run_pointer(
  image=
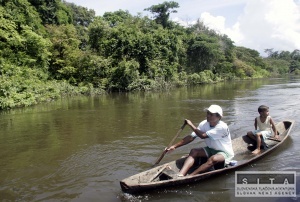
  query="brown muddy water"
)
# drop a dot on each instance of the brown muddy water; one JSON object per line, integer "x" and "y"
{"x": 78, "y": 149}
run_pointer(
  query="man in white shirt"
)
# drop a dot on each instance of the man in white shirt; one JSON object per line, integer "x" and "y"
{"x": 217, "y": 138}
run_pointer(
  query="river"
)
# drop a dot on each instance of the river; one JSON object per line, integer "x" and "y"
{"x": 78, "y": 149}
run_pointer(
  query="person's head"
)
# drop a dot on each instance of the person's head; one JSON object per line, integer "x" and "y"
{"x": 213, "y": 114}
{"x": 263, "y": 110}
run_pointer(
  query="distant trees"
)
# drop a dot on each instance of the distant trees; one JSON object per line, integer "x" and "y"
{"x": 284, "y": 59}
{"x": 248, "y": 64}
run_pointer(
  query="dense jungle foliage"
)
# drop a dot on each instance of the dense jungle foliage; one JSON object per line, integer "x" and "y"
{"x": 53, "y": 48}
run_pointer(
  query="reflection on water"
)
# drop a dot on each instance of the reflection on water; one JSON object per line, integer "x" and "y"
{"x": 80, "y": 148}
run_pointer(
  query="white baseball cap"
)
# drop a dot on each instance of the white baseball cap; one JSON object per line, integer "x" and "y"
{"x": 215, "y": 109}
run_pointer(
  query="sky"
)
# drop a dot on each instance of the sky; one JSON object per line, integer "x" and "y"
{"x": 255, "y": 24}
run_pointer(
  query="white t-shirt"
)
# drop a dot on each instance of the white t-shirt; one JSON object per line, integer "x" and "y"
{"x": 219, "y": 137}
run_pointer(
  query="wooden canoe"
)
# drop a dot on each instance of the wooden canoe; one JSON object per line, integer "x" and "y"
{"x": 166, "y": 175}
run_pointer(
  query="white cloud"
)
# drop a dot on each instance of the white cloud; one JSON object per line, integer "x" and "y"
{"x": 273, "y": 25}
{"x": 217, "y": 23}
{"x": 235, "y": 34}
{"x": 263, "y": 24}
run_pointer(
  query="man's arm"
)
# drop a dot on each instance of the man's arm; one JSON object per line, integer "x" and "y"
{"x": 187, "y": 139}
{"x": 198, "y": 132}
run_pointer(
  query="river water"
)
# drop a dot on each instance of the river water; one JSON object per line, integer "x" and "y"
{"x": 78, "y": 149}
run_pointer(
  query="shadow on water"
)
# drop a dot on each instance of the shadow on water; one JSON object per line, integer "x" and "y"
{"x": 78, "y": 149}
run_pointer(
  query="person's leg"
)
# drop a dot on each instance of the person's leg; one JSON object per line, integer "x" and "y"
{"x": 251, "y": 135}
{"x": 258, "y": 141}
{"x": 217, "y": 158}
{"x": 197, "y": 152}
{"x": 264, "y": 136}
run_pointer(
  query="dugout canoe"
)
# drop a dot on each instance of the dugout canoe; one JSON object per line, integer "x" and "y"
{"x": 165, "y": 175}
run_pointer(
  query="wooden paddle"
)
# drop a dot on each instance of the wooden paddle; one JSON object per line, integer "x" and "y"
{"x": 170, "y": 144}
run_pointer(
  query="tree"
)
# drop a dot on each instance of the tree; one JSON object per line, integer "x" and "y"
{"x": 19, "y": 43}
{"x": 116, "y": 17}
{"x": 21, "y": 12}
{"x": 269, "y": 51}
{"x": 82, "y": 18}
{"x": 162, "y": 12}
{"x": 294, "y": 65}
{"x": 81, "y": 15}
{"x": 285, "y": 55}
{"x": 295, "y": 55}
{"x": 52, "y": 11}
{"x": 203, "y": 52}
{"x": 98, "y": 31}
{"x": 65, "y": 51}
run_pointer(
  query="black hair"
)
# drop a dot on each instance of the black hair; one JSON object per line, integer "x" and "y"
{"x": 262, "y": 108}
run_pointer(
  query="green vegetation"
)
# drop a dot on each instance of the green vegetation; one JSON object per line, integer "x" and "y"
{"x": 281, "y": 62}
{"x": 50, "y": 49}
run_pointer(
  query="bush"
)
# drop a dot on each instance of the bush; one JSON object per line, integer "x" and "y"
{"x": 22, "y": 86}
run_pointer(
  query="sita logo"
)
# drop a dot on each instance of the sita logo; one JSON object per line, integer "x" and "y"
{"x": 265, "y": 184}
